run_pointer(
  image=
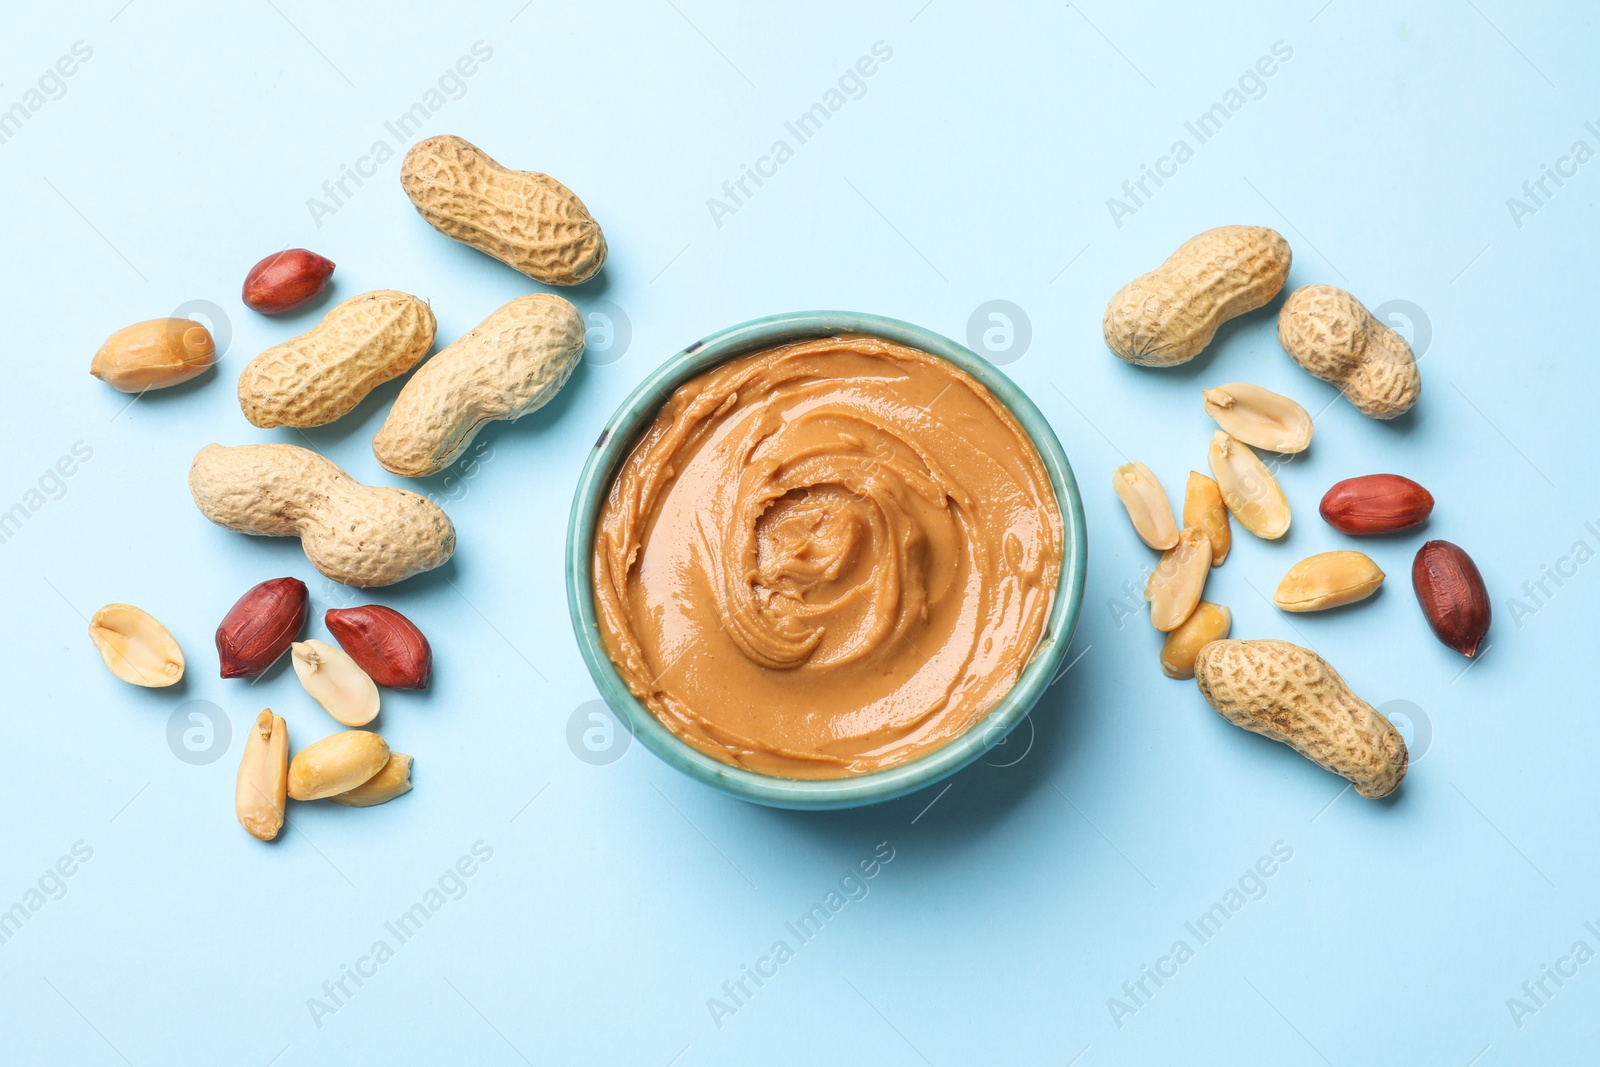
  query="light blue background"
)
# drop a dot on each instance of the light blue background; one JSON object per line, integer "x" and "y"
{"x": 619, "y": 898}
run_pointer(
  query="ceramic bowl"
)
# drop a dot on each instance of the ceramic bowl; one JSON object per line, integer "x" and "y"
{"x": 637, "y": 412}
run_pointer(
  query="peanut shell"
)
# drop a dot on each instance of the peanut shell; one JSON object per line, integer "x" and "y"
{"x": 1291, "y": 694}
{"x": 315, "y": 378}
{"x": 1331, "y": 334}
{"x": 526, "y": 220}
{"x": 508, "y": 365}
{"x": 360, "y": 535}
{"x": 1166, "y": 317}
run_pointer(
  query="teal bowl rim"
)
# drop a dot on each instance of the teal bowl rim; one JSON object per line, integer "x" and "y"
{"x": 617, "y": 439}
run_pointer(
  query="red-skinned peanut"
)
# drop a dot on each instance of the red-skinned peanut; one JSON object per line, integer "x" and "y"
{"x": 386, "y": 644}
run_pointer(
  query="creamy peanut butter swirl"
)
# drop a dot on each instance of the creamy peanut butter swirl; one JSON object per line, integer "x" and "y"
{"x": 826, "y": 558}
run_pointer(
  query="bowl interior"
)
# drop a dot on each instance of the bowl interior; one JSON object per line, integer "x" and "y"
{"x": 639, "y": 410}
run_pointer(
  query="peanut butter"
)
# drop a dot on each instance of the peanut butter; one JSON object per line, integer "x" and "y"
{"x": 827, "y": 558}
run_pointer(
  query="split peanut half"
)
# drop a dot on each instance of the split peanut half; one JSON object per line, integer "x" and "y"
{"x": 1203, "y": 509}
{"x": 1259, "y": 417}
{"x": 1175, "y": 585}
{"x": 154, "y": 355}
{"x": 336, "y": 764}
{"x": 1328, "y": 580}
{"x": 136, "y": 647}
{"x": 335, "y": 681}
{"x": 393, "y": 781}
{"x": 1209, "y": 622}
{"x": 263, "y": 782}
{"x": 1148, "y": 508}
{"x": 1248, "y": 488}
